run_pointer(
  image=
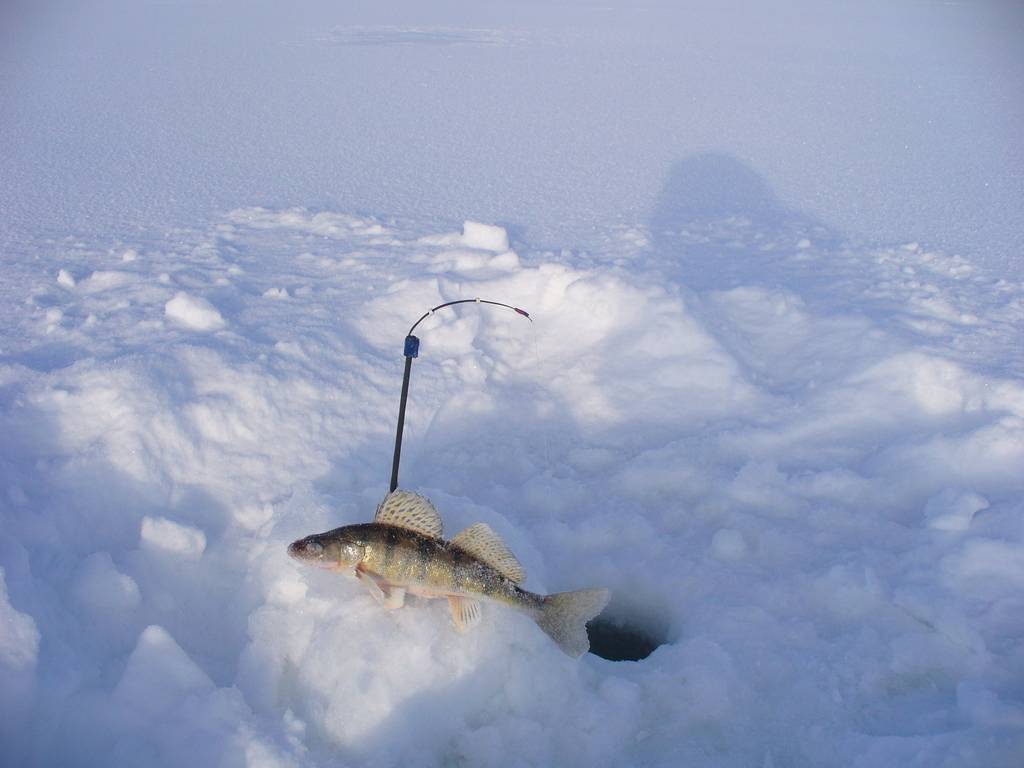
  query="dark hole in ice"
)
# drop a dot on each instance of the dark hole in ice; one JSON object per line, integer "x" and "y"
{"x": 619, "y": 639}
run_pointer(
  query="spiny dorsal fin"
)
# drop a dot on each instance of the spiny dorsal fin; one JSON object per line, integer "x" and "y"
{"x": 483, "y": 544}
{"x": 406, "y": 509}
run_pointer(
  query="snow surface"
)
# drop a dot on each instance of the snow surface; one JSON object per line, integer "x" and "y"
{"x": 795, "y": 454}
{"x": 194, "y": 313}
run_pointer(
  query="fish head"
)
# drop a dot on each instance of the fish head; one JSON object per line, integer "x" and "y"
{"x": 335, "y": 550}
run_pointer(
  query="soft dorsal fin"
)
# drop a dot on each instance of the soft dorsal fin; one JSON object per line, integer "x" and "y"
{"x": 483, "y": 544}
{"x": 406, "y": 509}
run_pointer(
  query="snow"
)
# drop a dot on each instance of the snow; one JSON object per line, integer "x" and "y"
{"x": 100, "y": 586}
{"x": 729, "y": 544}
{"x": 158, "y": 664}
{"x": 193, "y": 312}
{"x": 163, "y": 534}
{"x": 771, "y": 393}
{"x": 19, "y": 655}
{"x": 19, "y": 643}
{"x": 953, "y": 510}
{"x": 484, "y": 236}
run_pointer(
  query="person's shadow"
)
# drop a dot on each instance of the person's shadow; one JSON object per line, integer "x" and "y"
{"x": 717, "y": 223}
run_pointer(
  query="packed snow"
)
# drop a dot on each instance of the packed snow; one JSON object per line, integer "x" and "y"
{"x": 794, "y": 453}
{"x": 194, "y": 313}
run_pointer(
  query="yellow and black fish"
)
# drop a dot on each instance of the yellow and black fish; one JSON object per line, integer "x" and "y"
{"x": 402, "y": 551}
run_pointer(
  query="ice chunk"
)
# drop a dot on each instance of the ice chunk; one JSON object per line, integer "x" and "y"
{"x": 193, "y": 312}
{"x": 19, "y": 638}
{"x": 159, "y": 533}
{"x": 486, "y": 237}
{"x": 65, "y": 279}
{"x": 159, "y": 673}
{"x": 107, "y": 280}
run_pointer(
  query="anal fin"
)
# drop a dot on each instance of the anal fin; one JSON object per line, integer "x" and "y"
{"x": 466, "y": 612}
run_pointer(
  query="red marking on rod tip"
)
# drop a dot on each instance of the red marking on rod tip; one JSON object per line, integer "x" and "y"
{"x": 522, "y": 312}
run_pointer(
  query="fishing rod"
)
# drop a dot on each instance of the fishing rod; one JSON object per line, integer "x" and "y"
{"x": 412, "y": 349}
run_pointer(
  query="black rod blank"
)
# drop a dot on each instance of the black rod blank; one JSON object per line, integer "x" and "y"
{"x": 412, "y": 349}
{"x": 401, "y": 420}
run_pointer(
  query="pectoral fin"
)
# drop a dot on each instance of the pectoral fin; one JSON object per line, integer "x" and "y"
{"x": 371, "y": 586}
{"x": 389, "y": 596}
{"x": 466, "y": 612}
{"x": 394, "y": 597}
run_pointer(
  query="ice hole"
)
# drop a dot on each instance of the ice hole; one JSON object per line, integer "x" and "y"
{"x": 627, "y": 633}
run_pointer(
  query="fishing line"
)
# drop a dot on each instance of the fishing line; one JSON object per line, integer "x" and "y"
{"x": 412, "y": 350}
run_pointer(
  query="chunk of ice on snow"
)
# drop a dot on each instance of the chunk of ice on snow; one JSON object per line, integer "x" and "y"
{"x": 159, "y": 533}
{"x": 193, "y": 312}
{"x": 159, "y": 673}
{"x": 486, "y": 237}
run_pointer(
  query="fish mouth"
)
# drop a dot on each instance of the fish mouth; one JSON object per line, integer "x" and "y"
{"x": 307, "y": 549}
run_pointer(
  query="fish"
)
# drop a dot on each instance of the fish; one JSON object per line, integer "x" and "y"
{"x": 402, "y": 552}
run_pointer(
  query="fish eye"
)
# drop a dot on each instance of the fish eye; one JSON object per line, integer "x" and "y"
{"x": 315, "y": 547}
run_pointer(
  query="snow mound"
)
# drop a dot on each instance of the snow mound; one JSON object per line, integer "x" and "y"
{"x": 193, "y": 312}
{"x": 159, "y": 674}
{"x": 475, "y": 235}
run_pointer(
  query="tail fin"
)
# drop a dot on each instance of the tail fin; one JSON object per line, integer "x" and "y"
{"x": 564, "y": 617}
